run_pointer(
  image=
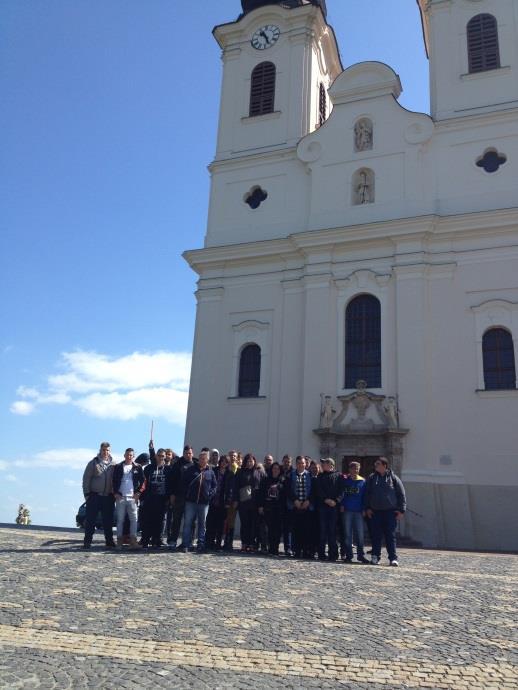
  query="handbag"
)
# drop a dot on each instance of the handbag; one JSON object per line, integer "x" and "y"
{"x": 245, "y": 493}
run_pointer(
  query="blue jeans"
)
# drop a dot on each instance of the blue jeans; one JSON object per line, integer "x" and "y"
{"x": 327, "y": 515}
{"x": 198, "y": 512}
{"x": 384, "y": 523}
{"x": 352, "y": 525}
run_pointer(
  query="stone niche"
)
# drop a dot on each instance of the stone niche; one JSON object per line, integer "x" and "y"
{"x": 366, "y": 426}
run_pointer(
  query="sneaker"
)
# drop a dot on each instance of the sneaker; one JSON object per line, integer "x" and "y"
{"x": 288, "y": 553}
{"x": 172, "y": 546}
{"x": 394, "y": 564}
{"x": 87, "y": 545}
{"x": 347, "y": 560}
{"x": 110, "y": 545}
{"x": 362, "y": 559}
{"x": 375, "y": 560}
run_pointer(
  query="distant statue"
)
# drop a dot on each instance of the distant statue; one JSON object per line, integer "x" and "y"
{"x": 391, "y": 411}
{"x": 24, "y": 515}
{"x": 364, "y": 189}
{"x": 326, "y": 413}
{"x": 363, "y": 135}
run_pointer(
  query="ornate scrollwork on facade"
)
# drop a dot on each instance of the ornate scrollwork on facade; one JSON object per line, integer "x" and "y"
{"x": 366, "y": 425}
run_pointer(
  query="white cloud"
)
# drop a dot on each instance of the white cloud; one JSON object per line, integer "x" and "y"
{"x": 167, "y": 403}
{"x": 140, "y": 384}
{"x": 11, "y": 478}
{"x": 71, "y": 482}
{"x": 22, "y": 407}
{"x": 4, "y": 465}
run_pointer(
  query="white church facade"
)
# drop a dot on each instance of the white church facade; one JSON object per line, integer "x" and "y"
{"x": 358, "y": 286}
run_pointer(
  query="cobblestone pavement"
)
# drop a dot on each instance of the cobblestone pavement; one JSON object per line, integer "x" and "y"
{"x": 98, "y": 619}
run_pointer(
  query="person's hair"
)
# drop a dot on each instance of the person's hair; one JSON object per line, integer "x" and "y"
{"x": 315, "y": 464}
{"x": 222, "y": 459}
{"x": 308, "y": 458}
{"x": 169, "y": 450}
{"x": 232, "y": 451}
{"x": 247, "y": 458}
{"x": 300, "y": 457}
{"x": 129, "y": 450}
{"x": 105, "y": 444}
{"x": 205, "y": 450}
{"x": 205, "y": 453}
{"x": 160, "y": 450}
{"x": 187, "y": 448}
{"x": 286, "y": 456}
{"x": 277, "y": 465}
{"x": 383, "y": 460}
{"x": 354, "y": 463}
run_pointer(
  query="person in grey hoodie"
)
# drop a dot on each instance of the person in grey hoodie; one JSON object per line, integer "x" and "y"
{"x": 98, "y": 493}
{"x": 385, "y": 504}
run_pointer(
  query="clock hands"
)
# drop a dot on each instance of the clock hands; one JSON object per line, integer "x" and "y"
{"x": 265, "y": 37}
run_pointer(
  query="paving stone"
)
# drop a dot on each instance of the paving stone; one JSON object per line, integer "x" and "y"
{"x": 102, "y": 619}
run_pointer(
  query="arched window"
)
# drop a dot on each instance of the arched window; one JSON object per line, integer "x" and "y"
{"x": 262, "y": 89}
{"x": 322, "y": 105}
{"x": 483, "y": 51}
{"x": 498, "y": 360}
{"x": 249, "y": 371}
{"x": 363, "y": 342}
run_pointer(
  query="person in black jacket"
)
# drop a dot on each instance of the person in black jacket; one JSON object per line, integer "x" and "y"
{"x": 128, "y": 484}
{"x": 199, "y": 485}
{"x": 270, "y": 498}
{"x": 385, "y": 504}
{"x": 329, "y": 491}
{"x": 246, "y": 487}
{"x": 177, "y": 494}
{"x": 219, "y": 505}
{"x": 155, "y": 500}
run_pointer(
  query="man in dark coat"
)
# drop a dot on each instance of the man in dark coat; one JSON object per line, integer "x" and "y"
{"x": 385, "y": 504}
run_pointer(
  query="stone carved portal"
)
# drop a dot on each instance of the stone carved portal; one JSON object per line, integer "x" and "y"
{"x": 366, "y": 426}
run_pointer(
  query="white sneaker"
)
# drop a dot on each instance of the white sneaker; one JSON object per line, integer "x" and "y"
{"x": 375, "y": 560}
{"x": 394, "y": 564}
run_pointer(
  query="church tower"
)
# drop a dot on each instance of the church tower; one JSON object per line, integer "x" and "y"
{"x": 473, "y": 51}
{"x": 279, "y": 59}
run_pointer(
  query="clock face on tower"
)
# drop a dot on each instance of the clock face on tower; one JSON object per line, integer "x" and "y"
{"x": 265, "y": 37}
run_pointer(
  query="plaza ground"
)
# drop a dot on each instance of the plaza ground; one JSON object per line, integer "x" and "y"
{"x": 98, "y": 619}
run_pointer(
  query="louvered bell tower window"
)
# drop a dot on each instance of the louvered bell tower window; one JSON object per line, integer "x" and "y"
{"x": 322, "y": 105}
{"x": 262, "y": 90}
{"x": 483, "y": 51}
{"x": 498, "y": 358}
{"x": 363, "y": 342}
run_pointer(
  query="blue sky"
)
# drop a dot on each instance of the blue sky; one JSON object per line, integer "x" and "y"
{"x": 108, "y": 122}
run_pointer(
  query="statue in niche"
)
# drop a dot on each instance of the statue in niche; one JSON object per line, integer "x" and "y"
{"x": 326, "y": 412}
{"x": 364, "y": 188}
{"x": 363, "y": 135}
{"x": 390, "y": 408}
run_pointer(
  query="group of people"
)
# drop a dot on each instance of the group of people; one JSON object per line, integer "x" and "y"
{"x": 316, "y": 511}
